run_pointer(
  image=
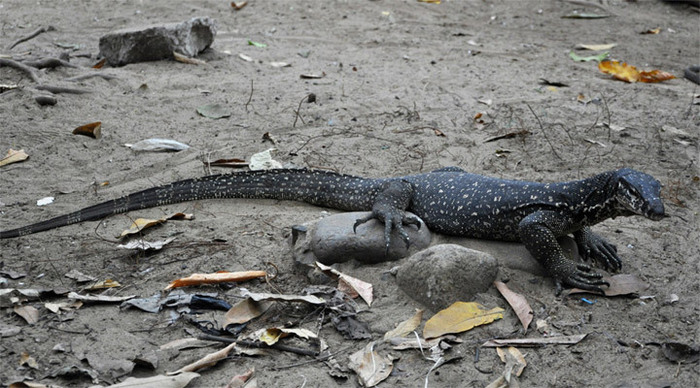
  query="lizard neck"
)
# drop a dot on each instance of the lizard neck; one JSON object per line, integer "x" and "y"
{"x": 598, "y": 201}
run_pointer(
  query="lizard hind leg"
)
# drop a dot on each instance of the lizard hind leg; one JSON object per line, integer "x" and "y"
{"x": 389, "y": 208}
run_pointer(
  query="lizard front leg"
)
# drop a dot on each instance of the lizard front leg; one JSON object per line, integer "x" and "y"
{"x": 539, "y": 232}
{"x": 389, "y": 208}
{"x": 593, "y": 247}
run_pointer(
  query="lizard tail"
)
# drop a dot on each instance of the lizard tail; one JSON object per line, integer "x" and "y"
{"x": 321, "y": 188}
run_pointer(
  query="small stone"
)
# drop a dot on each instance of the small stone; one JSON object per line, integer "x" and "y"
{"x": 444, "y": 274}
{"x": 158, "y": 42}
{"x": 45, "y": 99}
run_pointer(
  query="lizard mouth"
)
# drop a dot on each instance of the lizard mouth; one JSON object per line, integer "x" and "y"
{"x": 654, "y": 210}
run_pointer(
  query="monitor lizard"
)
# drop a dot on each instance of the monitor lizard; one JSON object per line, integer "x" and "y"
{"x": 448, "y": 200}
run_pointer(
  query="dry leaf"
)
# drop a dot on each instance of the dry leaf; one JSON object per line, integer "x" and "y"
{"x": 100, "y": 64}
{"x": 271, "y": 335}
{"x": 561, "y": 340}
{"x": 29, "y": 313}
{"x": 622, "y": 284}
{"x": 398, "y": 343}
{"x": 208, "y": 360}
{"x": 13, "y": 156}
{"x": 79, "y": 276}
{"x": 158, "y": 145}
{"x": 187, "y": 343}
{"x": 280, "y": 64}
{"x": 259, "y": 296}
{"x": 143, "y": 223}
{"x": 237, "y": 6}
{"x": 263, "y": 161}
{"x": 99, "y": 298}
{"x": 145, "y": 245}
{"x": 371, "y": 368}
{"x": 518, "y": 303}
{"x": 459, "y": 317}
{"x": 405, "y": 327}
{"x": 185, "y": 59}
{"x": 239, "y": 380}
{"x": 624, "y": 72}
{"x": 513, "y": 357}
{"x": 159, "y": 381}
{"x": 245, "y": 57}
{"x": 595, "y": 47}
{"x": 652, "y": 31}
{"x": 93, "y": 130}
{"x": 350, "y": 285}
{"x": 56, "y": 308}
{"x": 236, "y": 163}
{"x": 244, "y": 311}
{"x": 198, "y": 279}
{"x": 26, "y": 359}
{"x": 312, "y": 76}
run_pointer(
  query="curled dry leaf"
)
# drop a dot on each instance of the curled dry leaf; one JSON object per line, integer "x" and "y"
{"x": 371, "y": 368}
{"x": 185, "y": 59}
{"x": 13, "y": 156}
{"x": 159, "y": 381}
{"x": 146, "y": 245}
{"x": 235, "y": 163}
{"x": 208, "y": 360}
{"x": 513, "y": 357}
{"x": 143, "y": 223}
{"x": 238, "y": 5}
{"x": 26, "y": 359}
{"x": 285, "y": 298}
{"x": 520, "y": 342}
{"x": 459, "y": 317}
{"x": 245, "y": 57}
{"x": 158, "y": 145}
{"x": 350, "y": 285}
{"x": 263, "y": 161}
{"x": 595, "y": 47}
{"x": 239, "y": 381}
{"x": 107, "y": 283}
{"x": 99, "y": 298}
{"x": 518, "y": 303}
{"x": 272, "y": 335}
{"x": 198, "y": 279}
{"x": 405, "y": 327}
{"x": 93, "y": 130}
{"x": 29, "y": 313}
{"x": 280, "y": 64}
{"x": 244, "y": 311}
{"x": 628, "y": 73}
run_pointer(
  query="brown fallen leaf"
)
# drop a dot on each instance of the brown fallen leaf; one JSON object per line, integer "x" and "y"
{"x": 100, "y": 64}
{"x": 405, "y": 327}
{"x": 93, "y": 130}
{"x": 244, "y": 311}
{"x": 235, "y": 163}
{"x": 628, "y": 73}
{"x": 185, "y": 59}
{"x": 350, "y": 285}
{"x": 621, "y": 284}
{"x": 460, "y": 317}
{"x": 239, "y": 381}
{"x": 198, "y": 279}
{"x": 13, "y": 156}
{"x": 29, "y": 313}
{"x": 521, "y": 342}
{"x": 26, "y": 359}
{"x": 107, "y": 283}
{"x": 518, "y": 302}
{"x": 143, "y": 223}
{"x": 208, "y": 360}
{"x": 370, "y": 367}
{"x": 271, "y": 335}
{"x": 651, "y": 31}
{"x": 237, "y": 6}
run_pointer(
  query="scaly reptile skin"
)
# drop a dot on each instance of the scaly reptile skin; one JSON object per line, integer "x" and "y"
{"x": 448, "y": 200}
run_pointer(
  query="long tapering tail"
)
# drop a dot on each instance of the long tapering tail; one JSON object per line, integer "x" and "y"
{"x": 322, "y": 188}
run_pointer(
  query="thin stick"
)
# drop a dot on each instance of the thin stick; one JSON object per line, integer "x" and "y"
{"x": 61, "y": 89}
{"x": 544, "y": 132}
{"x": 34, "y": 34}
{"x": 298, "y": 116}
{"x": 250, "y": 98}
{"x": 83, "y": 77}
{"x": 20, "y": 66}
{"x": 49, "y": 63}
{"x": 260, "y": 345}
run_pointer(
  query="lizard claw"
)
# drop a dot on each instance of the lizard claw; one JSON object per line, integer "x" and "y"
{"x": 392, "y": 220}
{"x": 594, "y": 248}
{"x": 579, "y": 276}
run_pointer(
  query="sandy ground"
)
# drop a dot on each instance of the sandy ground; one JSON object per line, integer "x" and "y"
{"x": 395, "y": 71}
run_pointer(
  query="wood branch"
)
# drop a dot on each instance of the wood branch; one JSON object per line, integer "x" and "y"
{"x": 32, "y": 35}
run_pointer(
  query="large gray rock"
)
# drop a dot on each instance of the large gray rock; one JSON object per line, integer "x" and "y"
{"x": 444, "y": 274}
{"x": 331, "y": 240}
{"x": 158, "y": 42}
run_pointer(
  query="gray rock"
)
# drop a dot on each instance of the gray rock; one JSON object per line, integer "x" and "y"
{"x": 444, "y": 274}
{"x": 331, "y": 240}
{"x": 157, "y": 42}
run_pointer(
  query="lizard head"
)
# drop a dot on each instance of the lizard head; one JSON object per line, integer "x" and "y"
{"x": 639, "y": 193}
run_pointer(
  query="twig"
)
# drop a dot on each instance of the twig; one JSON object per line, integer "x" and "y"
{"x": 83, "y": 77}
{"x": 34, "y": 34}
{"x": 20, "y": 66}
{"x": 317, "y": 359}
{"x": 259, "y": 345}
{"x": 49, "y": 63}
{"x": 61, "y": 89}
{"x": 544, "y": 132}
{"x": 298, "y": 116}
{"x": 250, "y": 98}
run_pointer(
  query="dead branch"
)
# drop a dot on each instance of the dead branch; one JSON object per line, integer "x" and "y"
{"x": 32, "y": 35}
{"x": 49, "y": 63}
{"x": 544, "y": 132}
{"x": 61, "y": 89}
{"x": 83, "y": 77}
{"x": 20, "y": 66}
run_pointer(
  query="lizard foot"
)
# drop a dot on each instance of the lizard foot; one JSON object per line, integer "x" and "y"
{"x": 578, "y": 275}
{"x": 393, "y": 219}
{"x": 594, "y": 248}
